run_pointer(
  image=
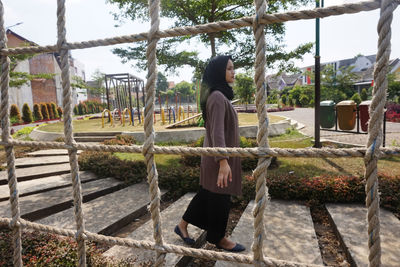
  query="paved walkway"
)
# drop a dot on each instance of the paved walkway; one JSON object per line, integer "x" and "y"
{"x": 306, "y": 116}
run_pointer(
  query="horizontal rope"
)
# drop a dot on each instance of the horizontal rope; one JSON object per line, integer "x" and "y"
{"x": 166, "y": 248}
{"x": 256, "y": 152}
{"x": 206, "y": 28}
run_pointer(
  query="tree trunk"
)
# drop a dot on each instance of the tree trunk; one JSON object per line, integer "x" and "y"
{"x": 212, "y": 42}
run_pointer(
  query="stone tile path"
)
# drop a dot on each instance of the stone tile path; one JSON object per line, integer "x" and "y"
{"x": 289, "y": 232}
{"x": 351, "y": 223}
{"x": 170, "y": 217}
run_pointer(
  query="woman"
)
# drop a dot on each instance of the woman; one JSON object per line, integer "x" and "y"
{"x": 220, "y": 177}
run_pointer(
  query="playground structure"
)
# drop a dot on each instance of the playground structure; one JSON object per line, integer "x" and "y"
{"x": 371, "y": 153}
{"x": 119, "y": 90}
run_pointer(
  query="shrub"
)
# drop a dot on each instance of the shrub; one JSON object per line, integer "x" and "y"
{"x": 37, "y": 113}
{"x": 43, "y": 249}
{"x": 304, "y": 100}
{"x": 121, "y": 140}
{"x": 15, "y": 114}
{"x": 104, "y": 164}
{"x": 26, "y": 113}
{"x": 364, "y": 94}
{"x": 50, "y": 110}
{"x": 356, "y": 98}
{"x": 45, "y": 111}
{"x": 76, "y": 110}
{"x": 54, "y": 109}
{"x": 179, "y": 181}
{"x": 60, "y": 111}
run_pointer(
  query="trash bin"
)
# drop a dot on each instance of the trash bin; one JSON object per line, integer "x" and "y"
{"x": 346, "y": 114}
{"x": 364, "y": 114}
{"x": 327, "y": 115}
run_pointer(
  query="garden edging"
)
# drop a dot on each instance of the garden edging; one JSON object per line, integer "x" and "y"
{"x": 182, "y": 135}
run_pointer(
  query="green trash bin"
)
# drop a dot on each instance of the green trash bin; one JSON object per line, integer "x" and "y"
{"x": 346, "y": 114}
{"x": 327, "y": 115}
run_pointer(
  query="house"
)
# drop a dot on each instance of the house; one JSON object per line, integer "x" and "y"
{"x": 363, "y": 67}
{"x": 279, "y": 82}
{"x": 40, "y": 90}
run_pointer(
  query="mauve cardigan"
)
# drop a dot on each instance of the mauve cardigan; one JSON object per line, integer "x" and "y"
{"x": 222, "y": 130}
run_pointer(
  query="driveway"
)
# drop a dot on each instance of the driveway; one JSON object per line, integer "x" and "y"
{"x": 306, "y": 116}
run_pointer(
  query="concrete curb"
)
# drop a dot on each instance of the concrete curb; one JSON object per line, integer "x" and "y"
{"x": 183, "y": 135}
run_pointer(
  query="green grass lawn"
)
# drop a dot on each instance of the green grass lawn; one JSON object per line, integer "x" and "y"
{"x": 95, "y": 125}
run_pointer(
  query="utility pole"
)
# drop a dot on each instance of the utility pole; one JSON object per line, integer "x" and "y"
{"x": 317, "y": 82}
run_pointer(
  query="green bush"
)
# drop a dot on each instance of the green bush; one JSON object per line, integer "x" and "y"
{"x": 26, "y": 113}
{"x": 43, "y": 249}
{"x": 326, "y": 188}
{"x": 37, "y": 113}
{"x": 60, "y": 111}
{"x": 15, "y": 114}
{"x": 304, "y": 100}
{"x": 104, "y": 164}
{"x": 54, "y": 109}
{"x": 50, "y": 110}
{"x": 356, "y": 98}
{"x": 364, "y": 94}
{"x": 45, "y": 111}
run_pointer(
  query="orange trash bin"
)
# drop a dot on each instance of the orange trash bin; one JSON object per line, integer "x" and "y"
{"x": 364, "y": 114}
{"x": 346, "y": 113}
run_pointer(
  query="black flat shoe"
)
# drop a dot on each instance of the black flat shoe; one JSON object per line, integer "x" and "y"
{"x": 237, "y": 248}
{"x": 187, "y": 240}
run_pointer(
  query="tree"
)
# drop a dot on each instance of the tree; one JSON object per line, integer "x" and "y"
{"x": 356, "y": 98}
{"x": 393, "y": 87}
{"x": 364, "y": 94}
{"x": 244, "y": 88}
{"x": 161, "y": 84}
{"x": 237, "y": 42}
{"x": 337, "y": 85}
{"x": 99, "y": 88}
{"x": 185, "y": 89}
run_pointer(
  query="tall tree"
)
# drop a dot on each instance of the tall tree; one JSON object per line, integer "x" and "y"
{"x": 238, "y": 42}
{"x": 161, "y": 84}
{"x": 244, "y": 88}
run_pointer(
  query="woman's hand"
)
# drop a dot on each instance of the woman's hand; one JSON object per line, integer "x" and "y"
{"x": 224, "y": 174}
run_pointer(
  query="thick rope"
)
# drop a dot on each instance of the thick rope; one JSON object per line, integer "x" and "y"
{"x": 260, "y": 173}
{"x": 67, "y": 106}
{"x": 263, "y": 152}
{"x": 148, "y": 146}
{"x": 375, "y": 132}
{"x": 165, "y": 248}
{"x": 5, "y": 135}
{"x": 207, "y": 28}
{"x": 208, "y": 151}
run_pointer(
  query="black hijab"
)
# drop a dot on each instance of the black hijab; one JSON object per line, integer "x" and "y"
{"x": 214, "y": 80}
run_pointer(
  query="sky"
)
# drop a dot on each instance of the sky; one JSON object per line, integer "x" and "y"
{"x": 341, "y": 37}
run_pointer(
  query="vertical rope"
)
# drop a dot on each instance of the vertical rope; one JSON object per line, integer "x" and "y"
{"x": 148, "y": 146}
{"x": 67, "y": 106}
{"x": 5, "y": 135}
{"x": 260, "y": 173}
{"x": 375, "y": 131}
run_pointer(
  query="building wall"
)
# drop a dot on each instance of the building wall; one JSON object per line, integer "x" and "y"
{"x": 43, "y": 90}
{"x": 14, "y": 41}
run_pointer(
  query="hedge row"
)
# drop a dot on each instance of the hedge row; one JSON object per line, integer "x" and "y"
{"x": 89, "y": 107}
{"x": 41, "y": 112}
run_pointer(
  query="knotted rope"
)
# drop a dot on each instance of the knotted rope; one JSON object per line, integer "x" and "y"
{"x": 208, "y": 27}
{"x": 375, "y": 131}
{"x": 263, "y": 152}
{"x": 5, "y": 135}
{"x": 69, "y": 140}
{"x": 148, "y": 146}
{"x": 260, "y": 173}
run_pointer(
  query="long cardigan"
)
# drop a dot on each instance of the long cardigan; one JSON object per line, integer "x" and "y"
{"x": 222, "y": 130}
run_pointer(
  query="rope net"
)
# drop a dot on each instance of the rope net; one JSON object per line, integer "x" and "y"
{"x": 371, "y": 153}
